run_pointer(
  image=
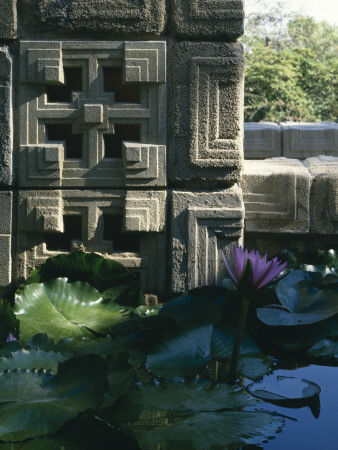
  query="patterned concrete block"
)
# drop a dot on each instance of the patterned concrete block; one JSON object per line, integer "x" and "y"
{"x": 112, "y": 16}
{"x": 8, "y": 19}
{"x": 83, "y": 104}
{"x": 6, "y": 119}
{"x": 262, "y": 140}
{"x": 203, "y": 223}
{"x": 276, "y": 196}
{"x": 207, "y": 18}
{"x": 145, "y": 211}
{"x": 304, "y": 140}
{"x": 324, "y": 196}
{"x": 207, "y": 116}
{"x": 54, "y": 221}
{"x": 6, "y": 208}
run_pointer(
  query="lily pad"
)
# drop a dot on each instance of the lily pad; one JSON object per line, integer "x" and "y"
{"x": 181, "y": 352}
{"x": 287, "y": 391}
{"x": 8, "y": 322}
{"x": 301, "y": 303}
{"x": 99, "y": 272}
{"x": 191, "y": 307}
{"x": 32, "y": 359}
{"x": 35, "y": 402}
{"x": 325, "y": 349}
{"x": 64, "y": 310}
{"x": 185, "y": 350}
{"x": 210, "y": 431}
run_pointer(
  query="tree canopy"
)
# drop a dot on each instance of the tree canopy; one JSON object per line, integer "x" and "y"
{"x": 291, "y": 67}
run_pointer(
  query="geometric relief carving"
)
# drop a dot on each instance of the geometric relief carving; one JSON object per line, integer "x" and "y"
{"x": 303, "y": 140}
{"x": 144, "y": 164}
{"x": 40, "y": 211}
{"x": 38, "y": 208}
{"x": 276, "y": 195}
{"x": 145, "y": 211}
{"x": 203, "y": 223}
{"x": 145, "y": 62}
{"x": 215, "y": 116}
{"x": 324, "y": 194}
{"x": 89, "y": 114}
{"x": 208, "y": 17}
{"x": 207, "y": 113}
{"x": 42, "y": 164}
{"x": 262, "y": 140}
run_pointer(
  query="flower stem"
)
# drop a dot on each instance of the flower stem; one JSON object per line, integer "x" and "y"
{"x": 238, "y": 340}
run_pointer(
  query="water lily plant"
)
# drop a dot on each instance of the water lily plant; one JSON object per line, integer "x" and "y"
{"x": 250, "y": 273}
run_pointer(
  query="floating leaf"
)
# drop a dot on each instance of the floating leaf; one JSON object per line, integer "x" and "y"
{"x": 288, "y": 391}
{"x": 35, "y": 402}
{"x": 182, "y": 351}
{"x": 97, "y": 271}
{"x": 31, "y": 359}
{"x": 325, "y": 349}
{"x": 191, "y": 307}
{"x": 63, "y": 310}
{"x": 301, "y": 302}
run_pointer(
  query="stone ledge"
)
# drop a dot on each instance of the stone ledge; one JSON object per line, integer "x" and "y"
{"x": 290, "y": 139}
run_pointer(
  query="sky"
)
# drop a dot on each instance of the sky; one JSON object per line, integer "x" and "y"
{"x": 319, "y": 9}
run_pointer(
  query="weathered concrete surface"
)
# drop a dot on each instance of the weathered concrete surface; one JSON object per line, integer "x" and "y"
{"x": 8, "y": 19}
{"x": 206, "y": 122}
{"x": 6, "y": 117}
{"x": 42, "y": 226}
{"x": 6, "y": 208}
{"x": 110, "y": 16}
{"x": 276, "y": 196}
{"x": 305, "y": 140}
{"x": 202, "y": 224}
{"x": 262, "y": 140}
{"x": 221, "y": 19}
{"x": 324, "y": 195}
{"x": 93, "y": 114}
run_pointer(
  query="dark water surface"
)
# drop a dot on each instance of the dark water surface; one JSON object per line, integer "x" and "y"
{"x": 307, "y": 432}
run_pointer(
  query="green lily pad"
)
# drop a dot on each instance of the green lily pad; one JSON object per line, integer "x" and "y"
{"x": 209, "y": 431}
{"x": 301, "y": 302}
{"x": 325, "y": 349}
{"x": 191, "y": 307}
{"x": 284, "y": 390}
{"x": 64, "y": 310}
{"x": 182, "y": 351}
{"x": 97, "y": 271}
{"x": 32, "y": 359}
{"x": 35, "y": 402}
{"x": 186, "y": 349}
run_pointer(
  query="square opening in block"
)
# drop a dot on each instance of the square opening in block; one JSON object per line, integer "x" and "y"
{"x": 63, "y": 93}
{"x": 72, "y": 230}
{"x": 63, "y": 132}
{"x": 124, "y": 93}
{"x": 122, "y": 242}
{"x": 123, "y": 132}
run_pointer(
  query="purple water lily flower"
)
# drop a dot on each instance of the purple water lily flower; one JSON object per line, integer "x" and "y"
{"x": 10, "y": 337}
{"x": 262, "y": 271}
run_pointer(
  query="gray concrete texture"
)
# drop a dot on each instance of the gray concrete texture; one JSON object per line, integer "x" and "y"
{"x": 206, "y": 113}
{"x": 290, "y": 139}
{"x": 8, "y": 19}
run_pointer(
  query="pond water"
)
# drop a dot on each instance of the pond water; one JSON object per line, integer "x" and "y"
{"x": 308, "y": 432}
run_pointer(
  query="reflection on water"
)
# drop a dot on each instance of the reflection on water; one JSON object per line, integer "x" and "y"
{"x": 308, "y": 431}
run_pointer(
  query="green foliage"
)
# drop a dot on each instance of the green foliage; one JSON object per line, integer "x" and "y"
{"x": 63, "y": 310}
{"x": 103, "y": 274}
{"x": 292, "y": 67}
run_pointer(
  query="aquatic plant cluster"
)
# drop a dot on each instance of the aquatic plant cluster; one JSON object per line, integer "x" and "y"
{"x": 85, "y": 363}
